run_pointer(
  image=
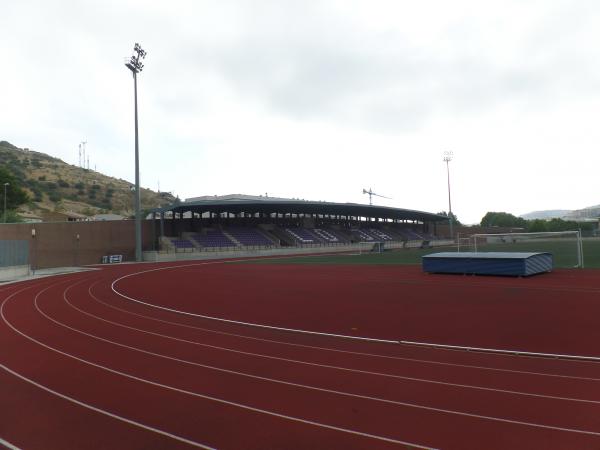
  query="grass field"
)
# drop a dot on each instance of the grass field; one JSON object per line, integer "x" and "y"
{"x": 564, "y": 254}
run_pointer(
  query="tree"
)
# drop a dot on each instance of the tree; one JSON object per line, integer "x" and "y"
{"x": 536, "y": 226}
{"x": 15, "y": 195}
{"x": 502, "y": 219}
{"x": 444, "y": 213}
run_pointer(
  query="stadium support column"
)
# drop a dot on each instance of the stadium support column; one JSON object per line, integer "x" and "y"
{"x": 162, "y": 224}
{"x": 135, "y": 65}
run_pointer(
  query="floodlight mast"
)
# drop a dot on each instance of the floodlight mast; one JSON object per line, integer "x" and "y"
{"x": 135, "y": 65}
{"x": 447, "y": 158}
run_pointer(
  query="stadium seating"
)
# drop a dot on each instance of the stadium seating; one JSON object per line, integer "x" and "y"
{"x": 248, "y": 236}
{"x": 213, "y": 238}
{"x": 181, "y": 243}
{"x": 413, "y": 235}
{"x": 365, "y": 236}
{"x": 303, "y": 235}
{"x": 382, "y": 236}
{"x": 327, "y": 235}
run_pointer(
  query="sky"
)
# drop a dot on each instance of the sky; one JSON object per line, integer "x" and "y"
{"x": 317, "y": 100}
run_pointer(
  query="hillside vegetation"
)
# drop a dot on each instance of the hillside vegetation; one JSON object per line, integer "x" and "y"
{"x": 53, "y": 185}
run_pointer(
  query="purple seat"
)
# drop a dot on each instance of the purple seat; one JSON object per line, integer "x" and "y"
{"x": 249, "y": 236}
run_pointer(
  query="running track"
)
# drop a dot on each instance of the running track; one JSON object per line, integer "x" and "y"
{"x": 126, "y": 357}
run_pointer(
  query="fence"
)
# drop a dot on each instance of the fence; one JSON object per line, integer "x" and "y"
{"x": 14, "y": 253}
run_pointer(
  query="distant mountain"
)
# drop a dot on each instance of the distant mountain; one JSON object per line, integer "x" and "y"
{"x": 546, "y": 215}
{"x": 55, "y": 186}
{"x": 591, "y": 212}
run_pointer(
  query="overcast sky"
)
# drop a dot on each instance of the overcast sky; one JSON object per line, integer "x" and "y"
{"x": 318, "y": 99}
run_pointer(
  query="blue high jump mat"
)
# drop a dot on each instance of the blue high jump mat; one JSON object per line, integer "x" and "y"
{"x": 519, "y": 264}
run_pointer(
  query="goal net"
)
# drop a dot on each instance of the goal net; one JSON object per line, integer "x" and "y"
{"x": 565, "y": 246}
{"x": 370, "y": 247}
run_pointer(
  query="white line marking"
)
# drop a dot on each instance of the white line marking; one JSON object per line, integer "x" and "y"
{"x": 80, "y": 403}
{"x": 398, "y": 403}
{"x": 293, "y": 361}
{"x": 236, "y": 322}
{"x": 591, "y": 359}
{"x": 7, "y": 444}
{"x": 206, "y": 397}
{"x": 374, "y": 355}
{"x": 104, "y": 412}
{"x": 506, "y": 352}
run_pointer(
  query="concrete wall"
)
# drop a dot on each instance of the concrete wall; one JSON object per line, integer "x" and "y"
{"x": 283, "y": 251}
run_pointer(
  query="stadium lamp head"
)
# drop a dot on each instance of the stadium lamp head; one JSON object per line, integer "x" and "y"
{"x": 448, "y": 156}
{"x": 134, "y": 64}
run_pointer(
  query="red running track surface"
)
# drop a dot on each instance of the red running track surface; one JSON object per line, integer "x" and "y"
{"x": 85, "y": 364}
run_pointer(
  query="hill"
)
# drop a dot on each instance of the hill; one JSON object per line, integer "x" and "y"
{"x": 55, "y": 186}
{"x": 546, "y": 215}
{"x": 590, "y": 212}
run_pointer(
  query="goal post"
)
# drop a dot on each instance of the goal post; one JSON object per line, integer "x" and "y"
{"x": 464, "y": 243}
{"x": 370, "y": 247}
{"x": 566, "y": 246}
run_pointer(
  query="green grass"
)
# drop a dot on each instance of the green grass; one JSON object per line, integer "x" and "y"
{"x": 564, "y": 254}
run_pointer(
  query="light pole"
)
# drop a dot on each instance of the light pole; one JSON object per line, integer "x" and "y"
{"x": 136, "y": 66}
{"x": 447, "y": 158}
{"x": 5, "y": 186}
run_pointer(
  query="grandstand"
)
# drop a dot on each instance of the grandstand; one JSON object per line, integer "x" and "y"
{"x": 237, "y": 222}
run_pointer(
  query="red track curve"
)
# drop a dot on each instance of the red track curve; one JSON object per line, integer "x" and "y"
{"x": 83, "y": 367}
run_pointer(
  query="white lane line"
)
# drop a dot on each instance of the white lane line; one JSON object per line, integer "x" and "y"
{"x": 104, "y": 412}
{"x": 80, "y": 403}
{"x": 236, "y": 322}
{"x": 207, "y": 397}
{"x": 289, "y": 360}
{"x": 8, "y": 445}
{"x": 328, "y": 349}
{"x": 583, "y": 359}
{"x": 398, "y": 403}
{"x": 495, "y": 350}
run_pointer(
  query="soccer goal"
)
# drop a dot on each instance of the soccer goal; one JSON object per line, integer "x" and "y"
{"x": 565, "y": 246}
{"x": 370, "y": 247}
{"x": 464, "y": 243}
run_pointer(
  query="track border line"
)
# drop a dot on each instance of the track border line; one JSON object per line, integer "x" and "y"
{"x": 501, "y": 351}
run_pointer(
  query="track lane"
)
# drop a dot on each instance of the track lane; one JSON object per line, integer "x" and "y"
{"x": 314, "y": 352}
{"x": 320, "y": 436}
{"x": 324, "y": 357}
{"x": 34, "y": 416}
{"x": 366, "y": 371}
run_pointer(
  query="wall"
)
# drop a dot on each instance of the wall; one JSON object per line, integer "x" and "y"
{"x": 56, "y": 244}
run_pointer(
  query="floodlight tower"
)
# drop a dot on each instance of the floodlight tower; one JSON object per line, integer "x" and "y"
{"x": 447, "y": 158}
{"x": 135, "y": 65}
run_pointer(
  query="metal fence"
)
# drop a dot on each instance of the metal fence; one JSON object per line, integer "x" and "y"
{"x": 14, "y": 253}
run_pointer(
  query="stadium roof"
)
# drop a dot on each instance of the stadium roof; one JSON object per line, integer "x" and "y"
{"x": 238, "y": 203}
